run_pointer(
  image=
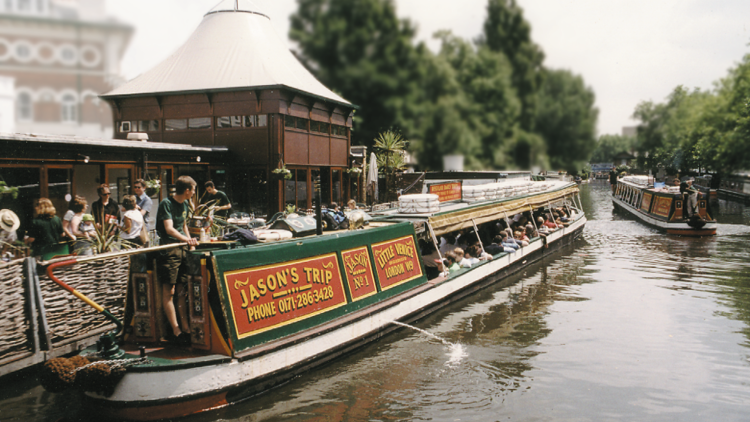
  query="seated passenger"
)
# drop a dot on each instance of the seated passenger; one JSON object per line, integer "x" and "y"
{"x": 520, "y": 237}
{"x": 461, "y": 258}
{"x": 496, "y": 246}
{"x": 429, "y": 255}
{"x": 509, "y": 243}
{"x": 450, "y": 243}
{"x": 530, "y": 231}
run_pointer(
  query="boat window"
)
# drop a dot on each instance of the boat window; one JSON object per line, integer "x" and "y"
{"x": 199, "y": 123}
{"x": 148, "y": 126}
{"x": 175, "y": 124}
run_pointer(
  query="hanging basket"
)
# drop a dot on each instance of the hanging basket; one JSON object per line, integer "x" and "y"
{"x": 152, "y": 191}
{"x": 152, "y": 187}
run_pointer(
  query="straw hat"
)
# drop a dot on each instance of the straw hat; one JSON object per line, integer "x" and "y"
{"x": 9, "y": 220}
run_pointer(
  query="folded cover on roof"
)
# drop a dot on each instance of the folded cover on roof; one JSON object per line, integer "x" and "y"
{"x": 230, "y": 49}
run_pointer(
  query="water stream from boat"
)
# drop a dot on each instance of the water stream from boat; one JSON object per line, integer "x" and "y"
{"x": 456, "y": 351}
{"x": 629, "y": 324}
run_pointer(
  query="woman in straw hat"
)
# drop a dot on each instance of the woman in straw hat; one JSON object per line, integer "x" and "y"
{"x": 9, "y": 223}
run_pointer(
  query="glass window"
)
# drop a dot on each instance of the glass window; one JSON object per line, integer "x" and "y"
{"x": 199, "y": 123}
{"x": 301, "y": 190}
{"x": 23, "y": 51}
{"x": 24, "y": 5}
{"x": 301, "y": 123}
{"x": 59, "y": 185}
{"x": 229, "y": 121}
{"x": 24, "y": 106}
{"x": 336, "y": 187}
{"x": 289, "y": 121}
{"x": 148, "y": 126}
{"x": 69, "y": 109}
{"x": 175, "y": 124}
{"x": 314, "y": 126}
{"x": 262, "y": 120}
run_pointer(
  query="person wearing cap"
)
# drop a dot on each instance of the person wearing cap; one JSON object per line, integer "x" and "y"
{"x": 9, "y": 223}
{"x": 105, "y": 209}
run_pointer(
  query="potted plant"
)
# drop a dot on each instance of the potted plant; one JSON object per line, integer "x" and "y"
{"x": 152, "y": 187}
{"x": 282, "y": 172}
{"x": 7, "y": 191}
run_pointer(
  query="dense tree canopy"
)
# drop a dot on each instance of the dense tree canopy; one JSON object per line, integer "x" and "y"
{"x": 607, "y": 146}
{"x": 477, "y": 99}
{"x": 698, "y": 130}
{"x": 566, "y": 118}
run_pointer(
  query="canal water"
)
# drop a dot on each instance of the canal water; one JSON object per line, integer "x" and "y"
{"x": 627, "y": 325}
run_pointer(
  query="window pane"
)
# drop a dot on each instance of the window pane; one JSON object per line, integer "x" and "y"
{"x": 249, "y": 121}
{"x": 301, "y": 190}
{"x": 24, "y": 106}
{"x": 199, "y": 123}
{"x": 314, "y": 126}
{"x": 289, "y": 121}
{"x": 301, "y": 123}
{"x": 148, "y": 125}
{"x": 262, "y": 120}
{"x": 224, "y": 121}
{"x": 59, "y": 185}
{"x": 324, "y": 127}
{"x": 336, "y": 187}
{"x": 175, "y": 124}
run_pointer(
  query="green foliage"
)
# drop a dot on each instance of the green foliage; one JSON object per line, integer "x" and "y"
{"x": 566, "y": 119}
{"x": 479, "y": 99}
{"x": 6, "y": 190}
{"x": 506, "y": 31}
{"x": 391, "y": 148}
{"x": 607, "y": 146}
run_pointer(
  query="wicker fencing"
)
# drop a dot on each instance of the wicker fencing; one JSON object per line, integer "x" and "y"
{"x": 69, "y": 319}
{"x": 15, "y": 342}
{"x": 41, "y": 320}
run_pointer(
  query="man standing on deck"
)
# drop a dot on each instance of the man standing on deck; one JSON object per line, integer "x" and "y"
{"x": 106, "y": 210}
{"x": 613, "y": 179}
{"x": 222, "y": 204}
{"x": 143, "y": 201}
{"x": 171, "y": 264}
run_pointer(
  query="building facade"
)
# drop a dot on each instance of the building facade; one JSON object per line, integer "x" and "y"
{"x": 61, "y": 55}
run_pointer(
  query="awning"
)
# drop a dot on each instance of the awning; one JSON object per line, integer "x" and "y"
{"x": 453, "y": 221}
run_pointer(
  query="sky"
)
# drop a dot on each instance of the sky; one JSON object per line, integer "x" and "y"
{"x": 627, "y": 51}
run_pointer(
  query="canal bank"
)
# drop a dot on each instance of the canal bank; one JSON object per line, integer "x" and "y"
{"x": 629, "y": 325}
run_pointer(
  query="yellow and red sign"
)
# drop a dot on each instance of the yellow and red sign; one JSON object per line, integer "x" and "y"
{"x": 662, "y": 206}
{"x": 274, "y": 295}
{"x": 358, "y": 270}
{"x": 396, "y": 262}
{"x": 646, "y": 202}
{"x": 446, "y": 191}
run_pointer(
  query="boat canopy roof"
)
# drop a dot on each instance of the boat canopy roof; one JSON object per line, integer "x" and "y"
{"x": 235, "y": 47}
{"x": 457, "y": 220}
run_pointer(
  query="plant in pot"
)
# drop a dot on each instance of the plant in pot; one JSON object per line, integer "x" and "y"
{"x": 152, "y": 187}
{"x": 8, "y": 192}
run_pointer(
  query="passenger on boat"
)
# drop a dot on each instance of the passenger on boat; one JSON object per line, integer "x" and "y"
{"x": 105, "y": 210}
{"x": 474, "y": 255}
{"x": 46, "y": 231}
{"x": 337, "y": 215}
{"x": 509, "y": 240}
{"x": 429, "y": 255}
{"x": 9, "y": 223}
{"x": 352, "y": 204}
{"x": 531, "y": 232}
{"x": 690, "y": 195}
{"x": 550, "y": 224}
{"x": 448, "y": 243}
{"x": 519, "y": 236}
{"x": 132, "y": 229}
{"x": 172, "y": 227}
{"x": 613, "y": 179}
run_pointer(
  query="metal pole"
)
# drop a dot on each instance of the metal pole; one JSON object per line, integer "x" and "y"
{"x": 476, "y": 230}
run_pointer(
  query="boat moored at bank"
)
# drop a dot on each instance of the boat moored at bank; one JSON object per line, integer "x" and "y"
{"x": 262, "y": 313}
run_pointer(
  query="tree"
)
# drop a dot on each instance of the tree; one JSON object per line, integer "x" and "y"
{"x": 607, "y": 146}
{"x": 506, "y": 31}
{"x": 566, "y": 119}
{"x": 361, "y": 50}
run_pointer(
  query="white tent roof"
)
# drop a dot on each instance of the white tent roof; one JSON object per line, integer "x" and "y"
{"x": 234, "y": 47}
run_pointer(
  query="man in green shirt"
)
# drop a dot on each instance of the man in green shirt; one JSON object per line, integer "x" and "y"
{"x": 222, "y": 204}
{"x": 171, "y": 225}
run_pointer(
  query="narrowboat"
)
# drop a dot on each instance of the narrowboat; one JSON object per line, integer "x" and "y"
{"x": 663, "y": 208}
{"x": 260, "y": 314}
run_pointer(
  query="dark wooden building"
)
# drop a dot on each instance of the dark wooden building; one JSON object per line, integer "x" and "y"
{"x": 235, "y": 84}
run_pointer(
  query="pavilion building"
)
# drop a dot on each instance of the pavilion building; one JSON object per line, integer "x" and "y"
{"x": 235, "y": 84}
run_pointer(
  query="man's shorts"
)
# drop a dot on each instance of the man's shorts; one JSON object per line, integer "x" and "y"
{"x": 171, "y": 266}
